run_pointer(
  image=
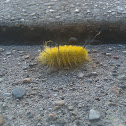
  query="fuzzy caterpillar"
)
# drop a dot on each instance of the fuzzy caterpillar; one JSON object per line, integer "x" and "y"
{"x": 63, "y": 56}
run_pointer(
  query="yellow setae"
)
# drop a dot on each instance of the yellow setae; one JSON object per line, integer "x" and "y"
{"x": 63, "y": 56}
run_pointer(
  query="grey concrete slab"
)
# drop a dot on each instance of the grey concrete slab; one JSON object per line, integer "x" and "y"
{"x": 37, "y": 12}
{"x": 59, "y": 15}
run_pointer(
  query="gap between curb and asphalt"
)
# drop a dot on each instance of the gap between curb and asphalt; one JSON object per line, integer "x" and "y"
{"x": 37, "y": 35}
{"x": 34, "y": 22}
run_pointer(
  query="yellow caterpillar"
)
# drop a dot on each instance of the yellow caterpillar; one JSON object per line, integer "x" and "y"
{"x": 63, "y": 56}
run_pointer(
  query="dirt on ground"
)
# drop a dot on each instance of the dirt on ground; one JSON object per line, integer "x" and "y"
{"x": 91, "y": 95}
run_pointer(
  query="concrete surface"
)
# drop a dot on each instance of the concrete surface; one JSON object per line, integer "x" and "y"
{"x": 39, "y": 12}
{"x": 83, "y": 16}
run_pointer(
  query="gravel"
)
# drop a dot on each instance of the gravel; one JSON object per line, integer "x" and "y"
{"x": 66, "y": 97}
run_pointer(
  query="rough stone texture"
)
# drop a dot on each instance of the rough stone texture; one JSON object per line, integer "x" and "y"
{"x": 37, "y": 12}
{"x": 62, "y": 98}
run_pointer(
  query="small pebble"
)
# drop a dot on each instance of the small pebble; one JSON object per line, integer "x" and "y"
{"x": 1, "y": 49}
{"x": 1, "y": 120}
{"x": 73, "y": 40}
{"x": 1, "y": 80}
{"x": 35, "y": 88}
{"x": 39, "y": 124}
{"x": 6, "y": 94}
{"x": 123, "y": 51}
{"x": 32, "y": 14}
{"x": 117, "y": 65}
{"x": 8, "y": 53}
{"x": 51, "y": 70}
{"x": 32, "y": 64}
{"x": 24, "y": 67}
{"x": 120, "y": 45}
{"x": 116, "y": 90}
{"x": 39, "y": 51}
{"x": 116, "y": 57}
{"x": 27, "y": 80}
{"x": 21, "y": 52}
{"x": 89, "y": 81}
{"x": 57, "y": 17}
{"x": 4, "y": 105}
{"x": 49, "y": 7}
{"x": 97, "y": 98}
{"x": 52, "y": 115}
{"x": 22, "y": 20}
{"x": 55, "y": 95}
{"x": 94, "y": 73}
{"x": 27, "y": 56}
{"x": 94, "y": 51}
{"x": 6, "y": 1}
{"x": 59, "y": 102}
{"x": 80, "y": 105}
{"x": 110, "y": 49}
{"x": 18, "y": 92}
{"x": 30, "y": 115}
{"x": 51, "y": 10}
{"x": 76, "y": 10}
{"x": 108, "y": 54}
{"x": 112, "y": 104}
{"x": 57, "y": 107}
{"x": 70, "y": 108}
{"x": 105, "y": 65}
{"x": 73, "y": 118}
{"x": 94, "y": 115}
{"x": 13, "y": 51}
{"x": 114, "y": 74}
{"x": 74, "y": 112}
{"x": 80, "y": 75}
{"x": 23, "y": 10}
{"x": 88, "y": 11}
{"x": 33, "y": 93}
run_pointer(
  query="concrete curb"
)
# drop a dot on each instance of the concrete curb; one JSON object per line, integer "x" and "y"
{"x": 61, "y": 33}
